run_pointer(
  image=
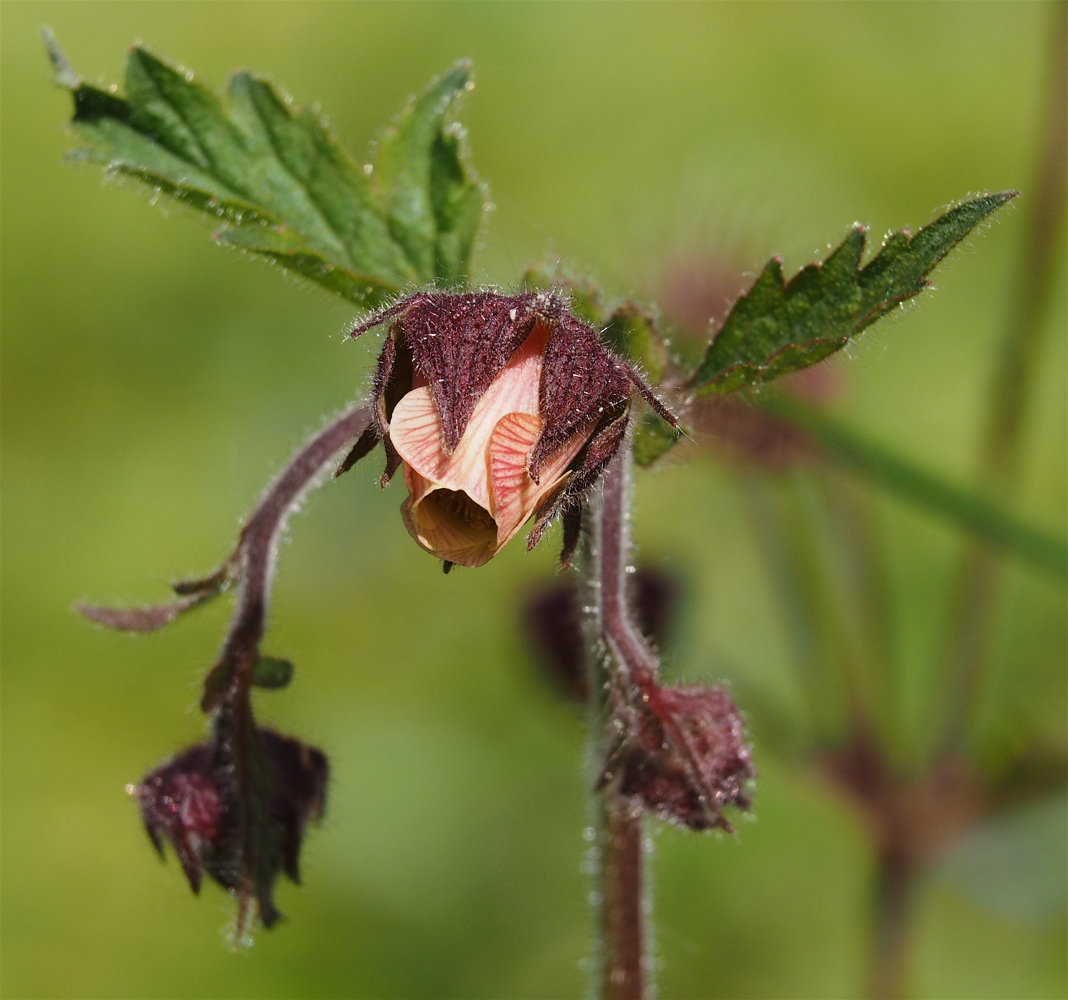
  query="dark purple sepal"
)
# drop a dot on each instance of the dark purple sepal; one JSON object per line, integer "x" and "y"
{"x": 572, "y": 524}
{"x": 458, "y": 342}
{"x": 580, "y": 383}
{"x": 686, "y": 756}
{"x": 182, "y": 804}
{"x": 363, "y": 447}
{"x": 585, "y": 471}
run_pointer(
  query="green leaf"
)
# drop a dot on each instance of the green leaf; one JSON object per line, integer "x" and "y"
{"x": 632, "y": 332}
{"x": 779, "y": 327}
{"x": 280, "y": 185}
{"x": 272, "y": 673}
{"x": 432, "y": 202}
{"x": 653, "y": 437}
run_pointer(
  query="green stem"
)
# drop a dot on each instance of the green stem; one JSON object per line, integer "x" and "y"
{"x": 888, "y": 961}
{"x": 981, "y": 515}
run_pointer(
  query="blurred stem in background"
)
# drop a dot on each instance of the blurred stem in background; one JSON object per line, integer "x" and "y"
{"x": 973, "y": 614}
{"x": 823, "y": 555}
{"x": 821, "y": 542}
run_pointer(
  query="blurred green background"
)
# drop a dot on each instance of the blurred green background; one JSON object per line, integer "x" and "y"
{"x": 153, "y": 382}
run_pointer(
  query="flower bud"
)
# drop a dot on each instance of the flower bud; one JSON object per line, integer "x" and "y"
{"x": 181, "y": 802}
{"x": 498, "y": 408}
{"x": 192, "y": 802}
{"x": 686, "y": 756}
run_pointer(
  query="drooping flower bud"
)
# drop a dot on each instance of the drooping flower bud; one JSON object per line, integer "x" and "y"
{"x": 686, "y": 756}
{"x": 498, "y": 408}
{"x": 192, "y": 802}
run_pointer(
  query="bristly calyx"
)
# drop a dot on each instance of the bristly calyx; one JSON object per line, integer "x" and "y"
{"x": 509, "y": 406}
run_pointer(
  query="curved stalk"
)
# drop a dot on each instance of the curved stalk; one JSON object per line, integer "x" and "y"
{"x": 258, "y": 545}
{"x": 228, "y": 688}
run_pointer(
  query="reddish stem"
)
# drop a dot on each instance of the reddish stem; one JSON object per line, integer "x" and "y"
{"x": 258, "y": 544}
{"x": 237, "y": 737}
{"x": 630, "y": 662}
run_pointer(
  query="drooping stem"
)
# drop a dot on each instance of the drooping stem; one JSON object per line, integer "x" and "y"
{"x": 978, "y": 577}
{"x": 257, "y": 546}
{"x": 239, "y": 751}
{"x": 238, "y": 744}
{"x": 630, "y": 662}
{"x": 254, "y": 847}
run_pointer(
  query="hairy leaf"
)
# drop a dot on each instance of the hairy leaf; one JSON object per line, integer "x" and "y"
{"x": 779, "y": 327}
{"x": 144, "y": 619}
{"x": 191, "y": 593}
{"x": 281, "y": 186}
{"x": 653, "y": 437}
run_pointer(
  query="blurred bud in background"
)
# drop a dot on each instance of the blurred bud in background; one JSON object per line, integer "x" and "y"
{"x": 553, "y": 624}
{"x": 191, "y": 802}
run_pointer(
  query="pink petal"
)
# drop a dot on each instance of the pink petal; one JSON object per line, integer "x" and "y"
{"x": 510, "y": 443}
{"x": 416, "y": 433}
{"x": 515, "y": 495}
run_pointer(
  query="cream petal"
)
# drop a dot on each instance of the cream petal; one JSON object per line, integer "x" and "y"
{"x": 517, "y": 389}
{"x": 515, "y": 495}
{"x": 439, "y": 530}
{"x": 416, "y": 433}
{"x": 436, "y": 525}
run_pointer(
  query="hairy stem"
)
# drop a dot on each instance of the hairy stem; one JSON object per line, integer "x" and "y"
{"x": 978, "y": 577}
{"x": 228, "y": 689}
{"x": 623, "y": 878}
{"x": 257, "y": 547}
{"x": 630, "y": 662}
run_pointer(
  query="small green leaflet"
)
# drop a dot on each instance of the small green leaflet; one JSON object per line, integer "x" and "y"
{"x": 281, "y": 185}
{"x": 779, "y": 327}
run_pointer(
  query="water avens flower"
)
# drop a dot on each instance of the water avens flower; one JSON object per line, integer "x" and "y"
{"x": 498, "y": 409}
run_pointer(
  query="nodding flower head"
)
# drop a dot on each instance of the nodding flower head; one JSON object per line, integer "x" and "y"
{"x": 498, "y": 408}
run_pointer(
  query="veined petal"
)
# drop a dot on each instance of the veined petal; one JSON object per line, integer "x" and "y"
{"x": 417, "y": 434}
{"x": 515, "y": 495}
{"x": 509, "y": 446}
{"x": 448, "y": 524}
